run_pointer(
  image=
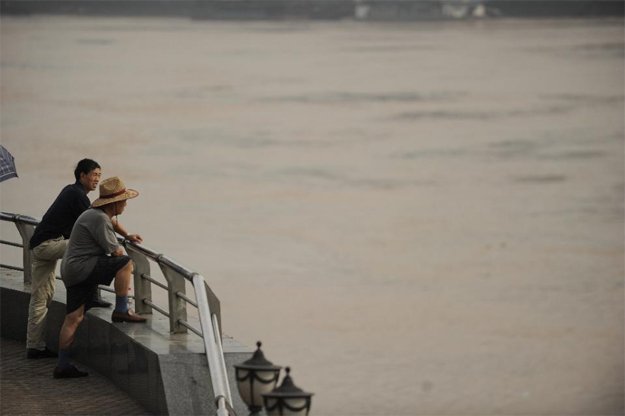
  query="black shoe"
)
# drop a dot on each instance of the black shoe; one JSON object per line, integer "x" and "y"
{"x": 98, "y": 303}
{"x": 69, "y": 372}
{"x": 34, "y": 353}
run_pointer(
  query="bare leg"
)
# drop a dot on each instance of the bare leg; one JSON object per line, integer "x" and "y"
{"x": 66, "y": 337}
{"x": 122, "y": 283}
{"x": 122, "y": 279}
{"x": 69, "y": 328}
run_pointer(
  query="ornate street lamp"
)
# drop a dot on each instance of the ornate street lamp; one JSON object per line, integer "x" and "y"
{"x": 288, "y": 399}
{"x": 255, "y": 377}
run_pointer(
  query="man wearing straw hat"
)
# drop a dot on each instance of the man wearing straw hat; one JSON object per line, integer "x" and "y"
{"x": 94, "y": 257}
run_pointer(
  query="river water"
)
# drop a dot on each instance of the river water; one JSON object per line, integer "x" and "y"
{"x": 420, "y": 219}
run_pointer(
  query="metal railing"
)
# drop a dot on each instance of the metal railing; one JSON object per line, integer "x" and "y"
{"x": 206, "y": 302}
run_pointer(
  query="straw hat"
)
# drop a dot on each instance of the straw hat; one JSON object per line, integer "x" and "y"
{"x": 113, "y": 190}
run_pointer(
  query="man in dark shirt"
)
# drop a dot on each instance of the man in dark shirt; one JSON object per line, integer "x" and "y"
{"x": 60, "y": 217}
{"x": 48, "y": 244}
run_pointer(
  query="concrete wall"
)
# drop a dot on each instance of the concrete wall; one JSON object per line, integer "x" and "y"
{"x": 165, "y": 373}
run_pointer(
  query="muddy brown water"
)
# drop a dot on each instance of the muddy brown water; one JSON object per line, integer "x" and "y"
{"x": 420, "y": 219}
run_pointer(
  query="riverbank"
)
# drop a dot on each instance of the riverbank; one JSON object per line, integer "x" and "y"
{"x": 364, "y": 10}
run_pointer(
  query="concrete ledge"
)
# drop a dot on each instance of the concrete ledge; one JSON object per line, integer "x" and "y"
{"x": 166, "y": 373}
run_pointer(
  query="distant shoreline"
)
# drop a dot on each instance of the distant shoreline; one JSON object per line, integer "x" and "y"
{"x": 377, "y": 10}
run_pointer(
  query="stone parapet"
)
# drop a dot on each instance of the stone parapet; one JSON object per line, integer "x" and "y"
{"x": 166, "y": 373}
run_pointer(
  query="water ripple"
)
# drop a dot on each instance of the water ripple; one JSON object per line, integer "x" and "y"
{"x": 540, "y": 179}
{"x": 352, "y": 97}
{"x": 482, "y": 115}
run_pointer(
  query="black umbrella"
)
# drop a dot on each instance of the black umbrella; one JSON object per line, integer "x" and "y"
{"x": 7, "y": 165}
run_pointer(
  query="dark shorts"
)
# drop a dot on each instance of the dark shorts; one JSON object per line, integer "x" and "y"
{"x": 103, "y": 274}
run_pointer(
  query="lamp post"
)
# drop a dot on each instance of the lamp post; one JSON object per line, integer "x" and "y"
{"x": 288, "y": 399}
{"x": 255, "y": 377}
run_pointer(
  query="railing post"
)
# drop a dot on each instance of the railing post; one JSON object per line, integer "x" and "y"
{"x": 26, "y": 231}
{"x": 177, "y": 306}
{"x": 143, "y": 287}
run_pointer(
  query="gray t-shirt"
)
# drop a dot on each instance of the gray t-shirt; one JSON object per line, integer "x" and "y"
{"x": 92, "y": 237}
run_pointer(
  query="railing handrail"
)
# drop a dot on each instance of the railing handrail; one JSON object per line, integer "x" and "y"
{"x": 151, "y": 254}
{"x": 161, "y": 259}
{"x": 209, "y": 320}
{"x": 6, "y": 216}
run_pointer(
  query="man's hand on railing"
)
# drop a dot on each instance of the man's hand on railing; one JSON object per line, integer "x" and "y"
{"x": 135, "y": 238}
{"x": 120, "y": 229}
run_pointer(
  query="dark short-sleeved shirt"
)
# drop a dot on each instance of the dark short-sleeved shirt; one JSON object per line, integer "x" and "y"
{"x": 62, "y": 214}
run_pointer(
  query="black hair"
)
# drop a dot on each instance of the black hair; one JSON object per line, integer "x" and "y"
{"x": 85, "y": 166}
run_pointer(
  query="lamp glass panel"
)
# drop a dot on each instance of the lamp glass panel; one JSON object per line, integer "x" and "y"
{"x": 244, "y": 386}
{"x": 292, "y": 402}
{"x": 296, "y": 404}
{"x": 260, "y": 388}
{"x": 269, "y": 402}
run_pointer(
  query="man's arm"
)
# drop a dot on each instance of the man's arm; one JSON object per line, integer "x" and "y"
{"x": 118, "y": 252}
{"x": 120, "y": 229}
{"x": 104, "y": 235}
